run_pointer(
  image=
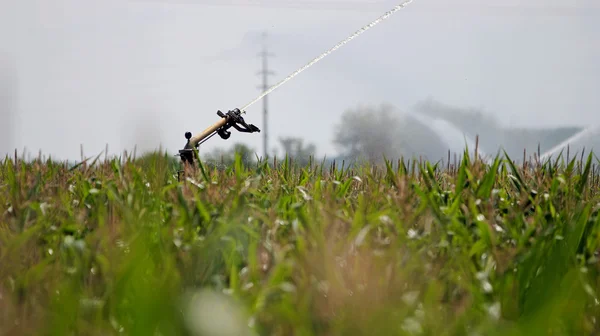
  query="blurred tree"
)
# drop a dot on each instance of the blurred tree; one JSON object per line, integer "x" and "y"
{"x": 222, "y": 157}
{"x": 366, "y": 133}
{"x": 295, "y": 149}
{"x": 372, "y": 133}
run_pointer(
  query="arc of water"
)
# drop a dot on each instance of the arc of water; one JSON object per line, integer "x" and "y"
{"x": 451, "y": 135}
{"x": 569, "y": 141}
{"x": 323, "y": 55}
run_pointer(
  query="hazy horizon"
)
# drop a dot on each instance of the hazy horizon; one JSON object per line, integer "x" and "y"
{"x": 124, "y": 72}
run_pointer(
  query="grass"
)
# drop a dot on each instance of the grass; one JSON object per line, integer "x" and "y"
{"x": 120, "y": 247}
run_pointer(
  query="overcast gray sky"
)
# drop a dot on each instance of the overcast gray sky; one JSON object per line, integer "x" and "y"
{"x": 118, "y": 72}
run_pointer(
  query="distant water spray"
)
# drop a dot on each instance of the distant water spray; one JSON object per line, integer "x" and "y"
{"x": 576, "y": 142}
{"x": 323, "y": 55}
{"x": 454, "y": 138}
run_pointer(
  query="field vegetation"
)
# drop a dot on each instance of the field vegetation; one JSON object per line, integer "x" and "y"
{"x": 121, "y": 247}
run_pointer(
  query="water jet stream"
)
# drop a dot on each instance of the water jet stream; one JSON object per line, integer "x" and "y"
{"x": 577, "y": 143}
{"x": 323, "y": 55}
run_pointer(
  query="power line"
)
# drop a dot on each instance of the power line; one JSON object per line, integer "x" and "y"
{"x": 376, "y": 6}
{"x": 310, "y": 5}
{"x": 265, "y": 72}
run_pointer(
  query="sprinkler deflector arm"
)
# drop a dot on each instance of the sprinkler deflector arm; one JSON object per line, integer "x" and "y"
{"x": 230, "y": 119}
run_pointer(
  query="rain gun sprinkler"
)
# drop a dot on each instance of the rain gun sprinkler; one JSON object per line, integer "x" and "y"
{"x": 234, "y": 118}
{"x": 230, "y": 119}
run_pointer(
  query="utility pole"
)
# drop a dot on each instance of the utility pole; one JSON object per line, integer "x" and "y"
{"x": 7, "y": 108}
{"x": 265, "y": 72}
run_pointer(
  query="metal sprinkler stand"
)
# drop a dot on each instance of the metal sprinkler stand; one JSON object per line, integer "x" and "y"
{"x": 230, "y": 119}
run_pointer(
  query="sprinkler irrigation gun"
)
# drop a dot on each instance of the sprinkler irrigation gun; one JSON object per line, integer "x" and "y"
{"x": 234, "y": 118}
{"x": 230, "y": 119}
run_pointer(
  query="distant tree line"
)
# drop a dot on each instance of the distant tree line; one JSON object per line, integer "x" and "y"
{"x": 373, "y": 133}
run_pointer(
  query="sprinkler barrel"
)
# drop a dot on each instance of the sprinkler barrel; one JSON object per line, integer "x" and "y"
{"x": 232, "y": 118}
